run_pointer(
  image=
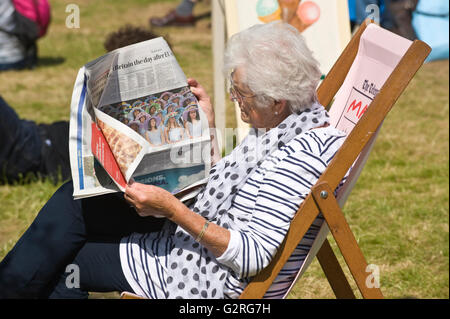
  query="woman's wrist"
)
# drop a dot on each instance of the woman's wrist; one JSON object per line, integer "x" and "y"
{"x": 175, "y": 210}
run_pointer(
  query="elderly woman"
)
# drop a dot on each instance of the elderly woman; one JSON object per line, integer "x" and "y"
{"x": 214, "y": 246}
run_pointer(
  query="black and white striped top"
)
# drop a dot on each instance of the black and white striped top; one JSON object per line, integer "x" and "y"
{"x": 263, "y": 209}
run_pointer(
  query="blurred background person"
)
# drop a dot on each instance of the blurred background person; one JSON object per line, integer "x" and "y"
{"x": 401, "y": 17}
{"x": 430, "y": 21}
{"x": 181, "y": 16}
{"x": 30, "y": 148}
{"x": 127, "y": 35}
{"x": 362, "y": 9}
{"x": 394, "y": 15}
{"x": 22, "y": 23}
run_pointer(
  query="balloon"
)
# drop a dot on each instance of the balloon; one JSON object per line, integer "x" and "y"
{"x": 268, "y": 10}
{"x": 308, "y": 12}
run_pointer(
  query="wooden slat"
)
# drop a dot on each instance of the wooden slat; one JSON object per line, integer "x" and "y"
{"x": 333, "y": 271}
{"x": 345, "y": 239}
{"x": 337, "y": 74}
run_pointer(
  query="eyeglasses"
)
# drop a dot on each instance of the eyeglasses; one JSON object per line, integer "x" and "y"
{"x": 235, "y": 95}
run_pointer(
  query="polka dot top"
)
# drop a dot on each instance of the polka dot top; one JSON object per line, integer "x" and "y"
{"x": 260, "y": 216}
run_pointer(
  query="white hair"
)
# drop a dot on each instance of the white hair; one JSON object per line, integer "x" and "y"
{"x": 278, "y": 65}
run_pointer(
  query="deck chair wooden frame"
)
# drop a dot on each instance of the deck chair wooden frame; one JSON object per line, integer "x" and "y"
{"x": 321, "y": 199}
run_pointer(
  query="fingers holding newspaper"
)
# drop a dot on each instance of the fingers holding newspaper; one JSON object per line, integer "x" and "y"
{"x": 154, "y": 201}
{"x": 149, "y": 200}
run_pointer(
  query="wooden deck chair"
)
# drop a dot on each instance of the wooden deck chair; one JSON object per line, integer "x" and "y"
{"x": 406, "y": 59}
{"x": 345, "y": 82}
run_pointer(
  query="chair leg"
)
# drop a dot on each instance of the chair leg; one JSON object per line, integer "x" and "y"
{"x": 353, "y": 256}
{"x": 334, "y": 273}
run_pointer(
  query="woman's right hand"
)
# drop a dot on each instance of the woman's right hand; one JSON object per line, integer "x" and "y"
{"x": 203, "y": 100}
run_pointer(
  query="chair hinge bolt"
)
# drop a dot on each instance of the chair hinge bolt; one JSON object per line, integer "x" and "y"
{"x": 324, "y": 194}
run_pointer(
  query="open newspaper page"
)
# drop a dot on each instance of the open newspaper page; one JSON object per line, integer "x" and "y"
{"x": 134, "y": 117}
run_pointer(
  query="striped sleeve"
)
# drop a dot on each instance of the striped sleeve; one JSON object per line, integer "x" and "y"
{"x": 283, "y": 188}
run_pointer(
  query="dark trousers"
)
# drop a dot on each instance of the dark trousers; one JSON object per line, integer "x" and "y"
{"x": 28, "y": 149}
{"x": 401, "y": 12}
{"x": 71, "y": 237}
{"x": 20, "y": 144}
{"x": 396, "y": 16}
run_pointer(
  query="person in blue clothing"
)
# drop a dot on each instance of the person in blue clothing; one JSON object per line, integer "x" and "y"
{"x": 395, "y": 15}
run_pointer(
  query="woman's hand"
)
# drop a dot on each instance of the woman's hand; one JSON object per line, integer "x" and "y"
{"x": 154, "y": 201}
{"x": 203, "y": 100}
{"x": 149, "y": 200}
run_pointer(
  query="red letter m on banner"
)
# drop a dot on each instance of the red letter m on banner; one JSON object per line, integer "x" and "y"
{"x": 357, "y": 106}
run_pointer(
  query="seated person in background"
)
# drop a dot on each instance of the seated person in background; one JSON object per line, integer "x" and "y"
{"x": 181, "y": 16}
{"x": 401, "y": 12}
{"x": 127, "y": 35}
{"x": 214, "y": 245}
{"x": 22, "y": 23}
{"x": 13, "y": 53}
{"x": 27, "y": 148}
{"x": 395, "y": 15}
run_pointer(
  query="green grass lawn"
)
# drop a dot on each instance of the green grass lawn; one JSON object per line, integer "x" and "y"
{"x": 399, "y": 209}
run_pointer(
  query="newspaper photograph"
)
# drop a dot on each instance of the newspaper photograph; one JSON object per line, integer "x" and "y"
{"x": 133, "y": 117}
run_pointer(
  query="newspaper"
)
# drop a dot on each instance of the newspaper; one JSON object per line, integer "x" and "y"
{"x": 133, "y": 117}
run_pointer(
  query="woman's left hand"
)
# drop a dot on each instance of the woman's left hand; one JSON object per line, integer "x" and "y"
{"x": 149, "y": 200}
{"x": 154, "y": 201}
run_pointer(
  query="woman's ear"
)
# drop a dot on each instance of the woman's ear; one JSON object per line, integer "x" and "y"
{"x": 280, "y": 107}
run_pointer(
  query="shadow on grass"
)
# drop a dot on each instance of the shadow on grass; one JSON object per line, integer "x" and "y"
{"x": 202, "y": 16}
{"x": 50, "y": 61}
